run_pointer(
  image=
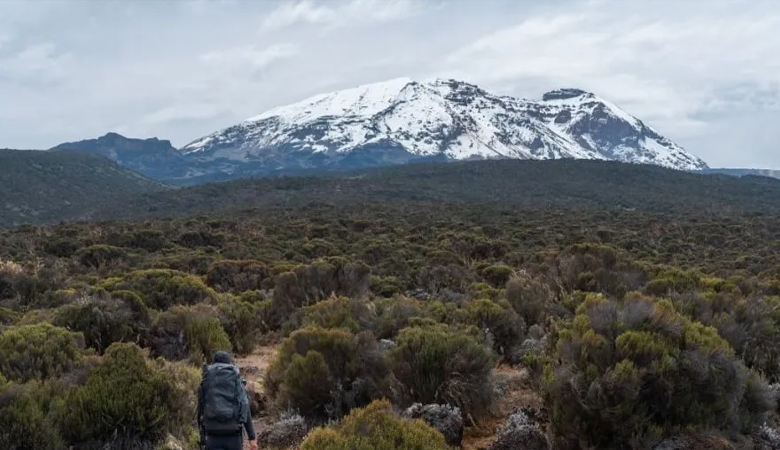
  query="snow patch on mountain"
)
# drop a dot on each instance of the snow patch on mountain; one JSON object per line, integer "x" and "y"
{"x": 441, "y": 117}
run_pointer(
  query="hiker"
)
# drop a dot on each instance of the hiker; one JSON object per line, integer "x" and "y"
{"x": 223, "y": 407}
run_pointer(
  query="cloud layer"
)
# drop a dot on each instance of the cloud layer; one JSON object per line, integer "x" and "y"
{"x": 704, "y": 73}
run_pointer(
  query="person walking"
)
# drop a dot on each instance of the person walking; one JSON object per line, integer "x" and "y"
{"x": 223, "y": 407}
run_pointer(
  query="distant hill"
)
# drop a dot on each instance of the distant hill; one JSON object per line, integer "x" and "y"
{"x": 154, "y": 158}
{"x": 565, "y": 183}
{"x": 38, "y": 186}
{"x": 745, "y": 172}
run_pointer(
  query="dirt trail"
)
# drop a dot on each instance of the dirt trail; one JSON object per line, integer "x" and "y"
{"x": 518, "y": 393}
{"x": 253, "y": 368}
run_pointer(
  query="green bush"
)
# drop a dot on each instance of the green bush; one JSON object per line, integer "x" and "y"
{"x": 128, "y": 399}
{"x": 307, "y": 285}
{"x": 28, "y": 416}
{"x": 751, "y": 325}
{"x": 238, "y": 276}
{"x": 7, "y": 317}
{"x": 163, "y": 288}
{"x": 354, "y": 372}
{"x": 39, "y": 351}
{"x": 193, "y": 332}
{"x": 341, "y": 312}
{"x": 629, "y": 375}
{"x": 497, "y": 275}
{"x": 103, "y": 321}
{"x": 376, "y": 427}
{"x": 439, "y": 365}
{"x": 99, "y": 256}
{"x": 395, "y": 314}
{"x": 243, "y": 322}
{"x": 529, "y": 297}
{"x": 500, "y": 325}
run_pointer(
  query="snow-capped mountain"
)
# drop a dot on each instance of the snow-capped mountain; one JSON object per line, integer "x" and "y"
{"x": 403, "y": 120}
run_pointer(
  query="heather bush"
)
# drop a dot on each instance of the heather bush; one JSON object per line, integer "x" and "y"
{"x": 497, "y": 275}
{"x": 100, "y": 256}
{"x": 193, "y": 332}
{"x": 437, "y": 365}
{"x": 39, "y": 351}
{"x": 500, "y": 325}
{"x": 628, "y": 375}
{"x": 128, "y": 399}
{"x": 28, "y": 416}
{"x": 751, "y": 325}
{"x": 378, "y": 428}
{"x": 307, "y": 285}
{"x": 324, "y": 373}
{"x": 341, "y": 312}
{"x": 103, "y": 321}
{"x": 242, "y": 322}
{"x": 395, "y": 314}
{"x": 238, "y": 276}
{"x": 530, "y": 297}
{"x": 163, "y": 288}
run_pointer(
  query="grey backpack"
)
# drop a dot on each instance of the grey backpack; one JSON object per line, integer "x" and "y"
{"x": 225, "y": 403}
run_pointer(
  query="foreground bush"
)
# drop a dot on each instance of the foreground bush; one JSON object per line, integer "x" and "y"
{"x": 39, "y": 351}
{"x": 376, "y": 427}
{"x": 438, "y": 365}
{"x": 128, "y": 399}
{"x": 324, "y": 373}
{"x": 628, "y": 376}
{"x": 28, "y": 414}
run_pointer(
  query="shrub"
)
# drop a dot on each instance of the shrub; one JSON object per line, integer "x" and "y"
{"x": 751, "y": 325}
{"x": 288, "y": 432}
{"x": 438, "y": 365}
{"x": 105, "y": 321}
{"x": 99, "y": 256}
{"x": 29, "y": 288}
{"x": 324, "y": 373}
{"x": 7, "y": 317}
{"x": 444, "y": 418}
{"x": 237, "y": 276}
{"x": 242, "y": 321}
{"x": 163, "y": 288}
{"x": 502, "y": 327}
{"x": 28, "y": 417}
{"x": 529, "y": 297}
{"x": 376, "y": 427}
{"x": 631, "y": 375}
{"x": 307, "y": 285}
{"x": 127, "y": 399}
{"x": 341, "y": 312}
{"x": 193, "y": 332}
{"x": 395, "y": 314}
{"x": 39, "y": 351}
{"x": 497, "y": 275}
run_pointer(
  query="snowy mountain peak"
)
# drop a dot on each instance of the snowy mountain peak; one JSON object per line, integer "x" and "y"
{"x": 402, "y": 119}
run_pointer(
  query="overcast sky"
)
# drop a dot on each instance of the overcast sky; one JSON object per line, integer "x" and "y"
{"x": 705, "y": 73}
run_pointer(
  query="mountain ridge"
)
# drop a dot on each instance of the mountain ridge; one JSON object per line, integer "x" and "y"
{"x": 444, "y": 117}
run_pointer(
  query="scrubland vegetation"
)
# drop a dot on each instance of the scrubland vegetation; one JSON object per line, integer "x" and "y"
{"x": 635, "y": 327}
